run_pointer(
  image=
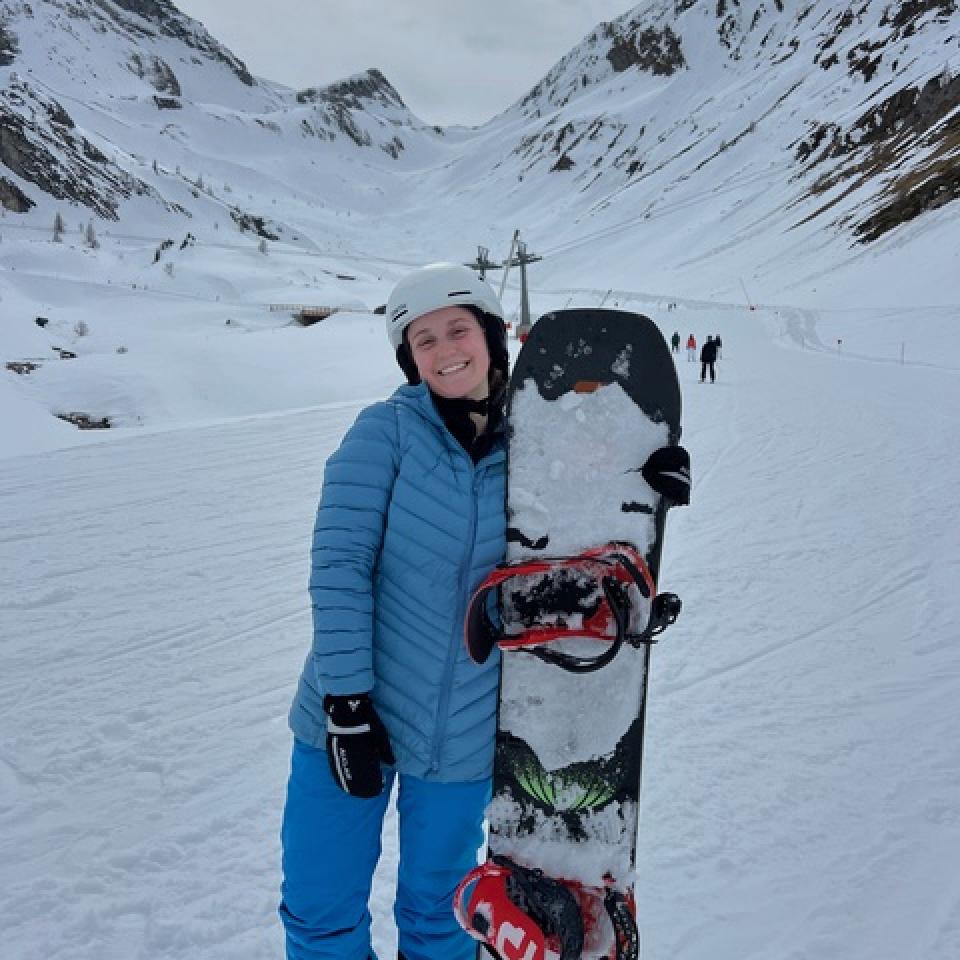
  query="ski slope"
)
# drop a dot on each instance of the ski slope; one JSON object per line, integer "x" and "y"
{"x": 802, "y": 780}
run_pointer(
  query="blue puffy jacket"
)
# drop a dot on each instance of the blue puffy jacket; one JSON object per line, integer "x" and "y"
{"x": 407, "y": 528}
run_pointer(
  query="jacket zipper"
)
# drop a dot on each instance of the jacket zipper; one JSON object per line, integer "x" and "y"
{"x": 451, "y": 660}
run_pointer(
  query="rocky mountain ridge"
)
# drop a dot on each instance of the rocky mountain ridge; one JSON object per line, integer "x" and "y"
{"x": 871, "y": 54}
{"x": 852, "y": 109}
{"x": 91, "y": 86}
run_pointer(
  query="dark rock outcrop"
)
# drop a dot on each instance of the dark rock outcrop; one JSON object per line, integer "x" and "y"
{"x": 9, "y": 48}
{"x": 169, "y": 21}
{"x": 909, "y": 12}
{"x": 911, "y": 110}
{"x": 335, "y": 106}
{"x": 157, "y": 73}
{"x": 13, "y": 198}
{"x": 354, "y": 91}
{"x": 655, "y": 51}
{"x": 249, "y": 223}
{"x": 909, "y": 202}
{"x": 39, "y": 143}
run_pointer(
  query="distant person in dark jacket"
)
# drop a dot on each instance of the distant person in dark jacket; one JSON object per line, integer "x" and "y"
{"x": 708, "y": 357}
{"x": 675, "y": 342}
{"x": 719, "y": 344}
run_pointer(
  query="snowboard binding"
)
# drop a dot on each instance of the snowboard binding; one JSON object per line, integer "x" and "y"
{"x": 605, "y": 594}
{"x": 522, "y": 914}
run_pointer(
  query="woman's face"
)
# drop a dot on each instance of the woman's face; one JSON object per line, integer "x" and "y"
{"x": 450, "y": 350}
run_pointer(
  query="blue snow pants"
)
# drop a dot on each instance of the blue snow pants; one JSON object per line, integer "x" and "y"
{"x": 331, "y": 845}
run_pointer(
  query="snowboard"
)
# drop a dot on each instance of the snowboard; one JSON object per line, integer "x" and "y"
{"x": 574, "y": 610}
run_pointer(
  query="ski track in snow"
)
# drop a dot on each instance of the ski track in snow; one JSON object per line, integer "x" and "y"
{"x": 159, "y": 625}
{"x": 801, "y": 776}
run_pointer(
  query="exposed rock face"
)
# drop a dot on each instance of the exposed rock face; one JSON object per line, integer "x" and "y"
{"x": 644, "y": 40}
{"x": 332, "y": 118}
{"x": 909, "y": 111}
{"x": 656, "y": 51}
{"x": 352, "y": 92}
{"x": 157, "y": 10}
{"x": 169, "y": 21}
{"x": 251, "y": 223}
{"x": 910, "y": 201}
{"x": 902, "y": 147}
{"x": 908, "y": 122}
{"x": 39, "y": 144}
{"x": 909, "y": 12}
{"x": 8, "y": 45}
{"x": 912, "y": 118}
{"x": 157, "y": 73}
{"x": 13, "y": 198}
{"x": 335, "y": 105}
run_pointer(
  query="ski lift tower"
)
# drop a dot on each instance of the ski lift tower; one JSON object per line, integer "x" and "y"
{"x": 483, "y": 263}
{"x": 521, "y": 260}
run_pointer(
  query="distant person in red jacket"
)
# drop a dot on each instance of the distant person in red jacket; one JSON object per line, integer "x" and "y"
{"x": 691, "y": 348}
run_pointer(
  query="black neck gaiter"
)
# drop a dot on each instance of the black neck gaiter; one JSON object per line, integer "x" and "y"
{"x": 456, "y": 415}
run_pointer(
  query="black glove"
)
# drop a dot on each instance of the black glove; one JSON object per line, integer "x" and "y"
{"x": 668, "y": 471}
{"x": 357, "y": 743}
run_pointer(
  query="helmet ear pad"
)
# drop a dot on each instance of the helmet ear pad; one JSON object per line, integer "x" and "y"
{"x": 495, "y": 333}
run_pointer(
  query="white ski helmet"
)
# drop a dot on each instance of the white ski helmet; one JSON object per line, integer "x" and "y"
{"x": 435, "y": 286}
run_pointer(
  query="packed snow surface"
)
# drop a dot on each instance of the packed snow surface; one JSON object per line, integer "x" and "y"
{"x": 582, "y": 444}
{"x": 801, "y": 779}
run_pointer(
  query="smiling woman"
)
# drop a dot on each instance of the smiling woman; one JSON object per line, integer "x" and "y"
{"x": 450, "y": 351}
{"x": 411, "y": 520}
{"x": 447, "y": 328}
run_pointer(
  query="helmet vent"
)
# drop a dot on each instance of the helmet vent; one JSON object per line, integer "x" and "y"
{"x": 458, "y": 293}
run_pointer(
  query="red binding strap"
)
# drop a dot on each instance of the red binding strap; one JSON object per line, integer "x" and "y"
{"x": 618, "y": 562}
{"x": 492, "y": 918}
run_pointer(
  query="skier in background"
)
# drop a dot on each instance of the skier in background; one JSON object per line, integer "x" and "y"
{"x": 708, "y": 359}
{"x": 675, "y": 341}
{"x": 691, "y": 348}
{"x": 411, "y": 520}
{"x": 719, "y": 344}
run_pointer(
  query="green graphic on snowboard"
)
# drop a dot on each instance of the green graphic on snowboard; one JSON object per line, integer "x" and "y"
{"x": 582, "y": 787}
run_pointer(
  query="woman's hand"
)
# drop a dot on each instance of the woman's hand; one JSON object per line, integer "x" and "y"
{"x": 357, "y": 744}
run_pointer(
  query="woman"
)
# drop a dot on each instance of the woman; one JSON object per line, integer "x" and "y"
{"x": 411, "y": 519}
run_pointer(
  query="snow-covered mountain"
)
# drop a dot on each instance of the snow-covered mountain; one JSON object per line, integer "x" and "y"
{"x": 132, "y": 111}
{"x": 794, "y": 125}
{"x": 859, "y": 97}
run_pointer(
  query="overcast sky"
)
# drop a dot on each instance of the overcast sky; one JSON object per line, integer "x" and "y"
{"x": 452, "y": 61}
